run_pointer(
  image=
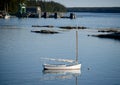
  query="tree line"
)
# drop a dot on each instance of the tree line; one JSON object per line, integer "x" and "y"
{"x": 10, "y": 5}
{"x": 46, "y": 6}
{"x": 95, "y": 9}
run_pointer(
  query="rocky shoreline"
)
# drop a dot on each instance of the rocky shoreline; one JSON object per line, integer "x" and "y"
{"x": 62, "y": 27}
{"x": 51, "y": 31}
{"x": 45, "y": 31}
{"x": 73, "y": 27}
{"x": 111, "y": 33}
{"x": 49, "y": 26}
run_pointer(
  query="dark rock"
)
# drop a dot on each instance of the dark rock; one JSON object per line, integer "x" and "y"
{"x": 82, "y": 27}
{"x": 70, "y": 27}
{"x": 111, "y": 35}
{"x": 49, "y": 26}
{"x": 108, "y": 30}
{"x": 45, "y": 31}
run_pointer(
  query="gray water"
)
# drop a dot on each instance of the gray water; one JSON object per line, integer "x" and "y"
{"x": 22, "y": 52}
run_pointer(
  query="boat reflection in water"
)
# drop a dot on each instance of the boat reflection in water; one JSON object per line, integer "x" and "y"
{"x": 60, "y": 74}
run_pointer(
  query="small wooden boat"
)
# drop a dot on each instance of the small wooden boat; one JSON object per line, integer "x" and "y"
{"x": 74, "y": 66}
{"x": 61, "y": 67}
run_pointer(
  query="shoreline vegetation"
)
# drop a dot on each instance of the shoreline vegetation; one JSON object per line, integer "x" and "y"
{"x": 94, "y": 9}
{"x": 46, "y": 6}
{"x": 52, "y": 6}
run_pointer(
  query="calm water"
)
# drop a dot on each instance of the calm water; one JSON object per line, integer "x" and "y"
{"x": 22, "y": 52}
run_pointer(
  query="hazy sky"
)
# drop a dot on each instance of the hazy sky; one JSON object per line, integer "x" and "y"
{"x": 90, "y": 3}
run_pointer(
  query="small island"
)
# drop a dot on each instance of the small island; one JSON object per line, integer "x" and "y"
{"x": 109, "y": 33}
{"x": 73, "y": 27}
{"x": 45, "y": 31}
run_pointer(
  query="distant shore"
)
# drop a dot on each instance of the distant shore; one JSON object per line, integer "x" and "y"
{"x": 94, "y": 9}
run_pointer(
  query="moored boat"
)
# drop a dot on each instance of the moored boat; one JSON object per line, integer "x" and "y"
{"x": 61, "y": 67}
{"x": 74, "y": 66}
{"x": 7, "y": 16}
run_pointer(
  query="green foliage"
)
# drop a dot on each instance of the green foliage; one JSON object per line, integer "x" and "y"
{"x": 10, "y": 5}
{"x": 95, "y": 9}
{"x": 48, "y": 6}
{"x": 45, "y": 5}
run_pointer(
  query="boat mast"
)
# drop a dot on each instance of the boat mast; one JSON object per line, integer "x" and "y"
{"x": 77, "y": 45}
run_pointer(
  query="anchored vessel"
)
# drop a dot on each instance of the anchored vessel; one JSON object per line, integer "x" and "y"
{"x": 73, "y": 66}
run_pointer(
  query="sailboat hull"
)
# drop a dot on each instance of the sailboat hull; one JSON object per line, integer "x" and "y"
{"x": 75, "y": 66}
{"x": 6, "y": 17}
{"x": 61, "y": 67}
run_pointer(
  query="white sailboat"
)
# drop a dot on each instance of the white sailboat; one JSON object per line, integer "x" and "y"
{"x": 74, "y": 66}
{"x": 6, "y": 16}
